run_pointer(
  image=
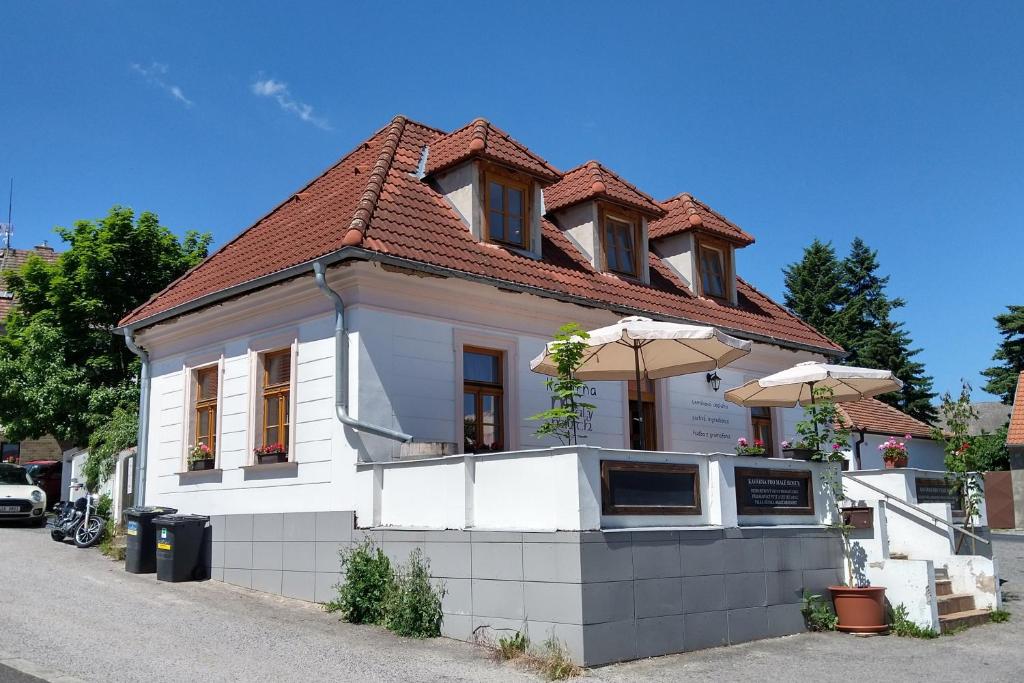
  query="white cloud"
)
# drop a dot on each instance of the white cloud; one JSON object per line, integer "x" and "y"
{"x": 154, "y": 74}
{"x": 278, "y": 90}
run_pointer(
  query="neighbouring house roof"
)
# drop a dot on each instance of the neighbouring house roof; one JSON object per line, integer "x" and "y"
{"x": 1015, "y": 434}
{"x": 12, "y": 259}
{"x": 481, "y": 139}
{"x": 686, "y": 213}
{"x": 594, "y": 181}
{"x": 876, "y": 417}
{"x": 373, "y": 203}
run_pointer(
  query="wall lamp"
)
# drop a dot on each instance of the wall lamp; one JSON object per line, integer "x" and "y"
{"x": 714, "y": 380}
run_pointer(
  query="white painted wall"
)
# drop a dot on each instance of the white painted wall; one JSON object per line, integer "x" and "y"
{"x": 924, "y": 454}
{"x": 579, "y": 223}
{"x": 910, "y": 583}
{"x": 677, "y": 252}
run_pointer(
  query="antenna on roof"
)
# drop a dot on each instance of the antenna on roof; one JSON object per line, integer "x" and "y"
{"x": 7, "y": 228}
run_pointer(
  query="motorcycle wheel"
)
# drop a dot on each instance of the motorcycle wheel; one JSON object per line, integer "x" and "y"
{"x": 88, "y": 535}
{"x": 57, "y": 535}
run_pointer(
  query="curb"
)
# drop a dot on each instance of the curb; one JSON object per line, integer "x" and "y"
{"x": 32, "y": 669}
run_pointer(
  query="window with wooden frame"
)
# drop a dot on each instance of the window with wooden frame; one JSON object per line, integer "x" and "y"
{"x": 714, "y": 270}
{"x": 647, "y": 488}
{"x": 645, "y": 401}
{"x": 507, "y": 208}
{"x": 761, "y": 422}
{"x": 620, "y": 243}
{"x": 276, "y": 383}
{"x": 483, "y": 400}
{"x": 205, "y": 392}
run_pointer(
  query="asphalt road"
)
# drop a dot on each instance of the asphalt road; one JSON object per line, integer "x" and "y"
{"x": 76, "y": 613}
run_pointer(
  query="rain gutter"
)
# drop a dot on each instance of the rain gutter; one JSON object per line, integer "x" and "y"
{"x": 341, "y": 364}
{"x": 360, "y": 254}
{"x": 142, "y": 438}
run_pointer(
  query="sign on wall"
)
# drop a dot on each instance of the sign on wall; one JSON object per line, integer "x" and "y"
{"x": 764, "y": 491}
{"x": 937, "y": 491}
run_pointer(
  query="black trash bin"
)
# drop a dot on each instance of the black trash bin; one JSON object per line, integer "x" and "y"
{"x": 140, "y": 554}
{"x": 179, "y": 546}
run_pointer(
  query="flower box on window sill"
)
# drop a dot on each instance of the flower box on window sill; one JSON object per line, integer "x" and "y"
{"x": 201, "y": 464}
{"x": 270, "y": 458}
{"x": 800, "y": 453}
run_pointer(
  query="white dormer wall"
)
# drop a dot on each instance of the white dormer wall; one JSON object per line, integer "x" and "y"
{"x": 581, "y": 224}
{"x": 679, "y": 253}
{"x": 463, "y": 190}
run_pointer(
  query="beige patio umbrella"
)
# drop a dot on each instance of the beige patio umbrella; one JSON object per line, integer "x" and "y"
{"x": 636, "y": 348}
{"x": 796, "y": 385}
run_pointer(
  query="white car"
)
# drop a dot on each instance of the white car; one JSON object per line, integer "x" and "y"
{"x": 20, "y": 498}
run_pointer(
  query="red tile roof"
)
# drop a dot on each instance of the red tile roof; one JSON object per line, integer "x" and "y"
{"x": 687, "y": 213}
{"x": 1015, "y": 434}
{"x": 481, "y": 139}
{"x": 12, "y": 259}
{"x": 592, "y": 180}
{"x": 372, "y": 199}
{"x": 876, "y": 417}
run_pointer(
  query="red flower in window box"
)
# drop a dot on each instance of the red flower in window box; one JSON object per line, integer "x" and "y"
{"x": 271, "y": 453}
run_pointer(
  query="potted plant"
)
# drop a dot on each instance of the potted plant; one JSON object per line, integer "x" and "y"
{"x": 894, "y": 452}
{"x": 271, "y": 453}
{"x": 200, "y": 458}
{"x": 822, "y": 434}
{"x": 743, "y": 447}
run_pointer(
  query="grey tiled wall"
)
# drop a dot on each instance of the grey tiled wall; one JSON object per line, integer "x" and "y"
{"x": 609, "y": 596}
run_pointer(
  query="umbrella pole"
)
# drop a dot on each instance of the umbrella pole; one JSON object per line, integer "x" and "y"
{"x": 639, "y": 403}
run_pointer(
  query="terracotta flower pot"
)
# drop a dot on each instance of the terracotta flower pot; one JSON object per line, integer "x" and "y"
{"x": 860, "y": 610}
{"x": 898, "y": 462}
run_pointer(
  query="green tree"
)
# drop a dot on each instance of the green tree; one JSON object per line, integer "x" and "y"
{"x": 814, "y": 289}
{"x": 1002, "y": 378}
{"x": 848, "y": 302}
{"x": 562, "y": 419}
{"x": 62, "y": 372}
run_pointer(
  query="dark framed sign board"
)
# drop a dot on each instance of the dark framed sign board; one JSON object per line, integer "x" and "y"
{"x": 648, "y": 488}
{"x": 937, "y": 491}
{"x": 765, "y": 491}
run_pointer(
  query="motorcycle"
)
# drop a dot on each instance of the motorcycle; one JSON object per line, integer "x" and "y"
{"x": 79, "y": 521}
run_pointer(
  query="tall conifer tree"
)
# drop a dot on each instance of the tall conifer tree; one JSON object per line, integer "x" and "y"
{"x": 1002, "y": 378}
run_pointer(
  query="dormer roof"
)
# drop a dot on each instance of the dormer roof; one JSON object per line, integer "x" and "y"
{"x": 593, "y": 180}
{"x": 686, "y": 213}
{"x": 482, "y": 139}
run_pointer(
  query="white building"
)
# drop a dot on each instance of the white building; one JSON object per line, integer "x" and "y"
{"x": 399, "y": 297}
{"x": 872, "y": 423}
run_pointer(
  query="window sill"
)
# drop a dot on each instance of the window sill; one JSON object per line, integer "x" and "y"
{"x": 213, "y": 476}
{"x": 271, "y": 470}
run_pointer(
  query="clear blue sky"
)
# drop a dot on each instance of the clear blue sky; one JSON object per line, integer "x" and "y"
{"x": 899, "y": 122}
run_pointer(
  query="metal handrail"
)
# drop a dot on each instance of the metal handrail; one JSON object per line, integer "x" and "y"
{"x": 938, "y": 519}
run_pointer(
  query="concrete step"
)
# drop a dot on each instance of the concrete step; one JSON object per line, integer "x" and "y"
{"x": 957, "y": 620}
{"x": 941, "y": 573}
{"x": 943, "y": 587}
{"x": 955, "y": 603}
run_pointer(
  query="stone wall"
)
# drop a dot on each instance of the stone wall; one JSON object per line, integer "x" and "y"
{"x": 609, "y": 596}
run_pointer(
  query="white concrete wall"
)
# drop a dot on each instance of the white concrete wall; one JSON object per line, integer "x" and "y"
{"x": 677, "y": 252}
{"x": 459, "y": 185}
{"x": 923, "y": 454}
{"x": 579, "y": 223}
{"x": 976, "y": 575}
{"x": 910, "y": 583}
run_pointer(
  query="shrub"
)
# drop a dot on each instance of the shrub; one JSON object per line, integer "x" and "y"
{"x": 818, "y": 615}
{"x": 113, "y": 545}
{"x": 413, "y": 605}
{"x": 1000, "y": 616}
{"x": 104, "y": 505}
{"x": 901, "y": 626}
{"x": 511, "y": 647}
{"x": 369, "y": 580}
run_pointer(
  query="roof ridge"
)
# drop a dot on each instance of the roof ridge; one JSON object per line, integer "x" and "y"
{"x": 375, "y": 183}
{"x": 523, "y": 148}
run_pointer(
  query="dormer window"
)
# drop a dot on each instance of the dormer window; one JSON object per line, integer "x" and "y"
{"x": 506, "y": 209}
{"x": 620, "y": 235}
{"x": 714, "y": 272}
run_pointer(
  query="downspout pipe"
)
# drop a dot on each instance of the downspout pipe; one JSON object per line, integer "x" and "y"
{"x": 856, "y": 447}
{"x": 141, "y": 447}
{"x": 341, "y": 364}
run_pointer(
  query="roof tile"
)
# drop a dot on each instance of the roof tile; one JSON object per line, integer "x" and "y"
{"x": 482, "y": 139}
{"x": 684, "y": 213}
{"x": 1015, "y": 434}
{"x": 876, "y": 417}
{"x": 593, "y": 180}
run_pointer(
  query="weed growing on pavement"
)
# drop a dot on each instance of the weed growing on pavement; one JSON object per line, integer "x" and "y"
{"x": 999, "y": 616}
{"x": 818, "y": 615}
{"x": 112, "y": 544}
{"x": 903, "y": 627}
{"x": 369, "y": 579}
{"x": 513, "y": 646}
{"x": 553, "y": 661}
{"x": 413, "y": 605}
